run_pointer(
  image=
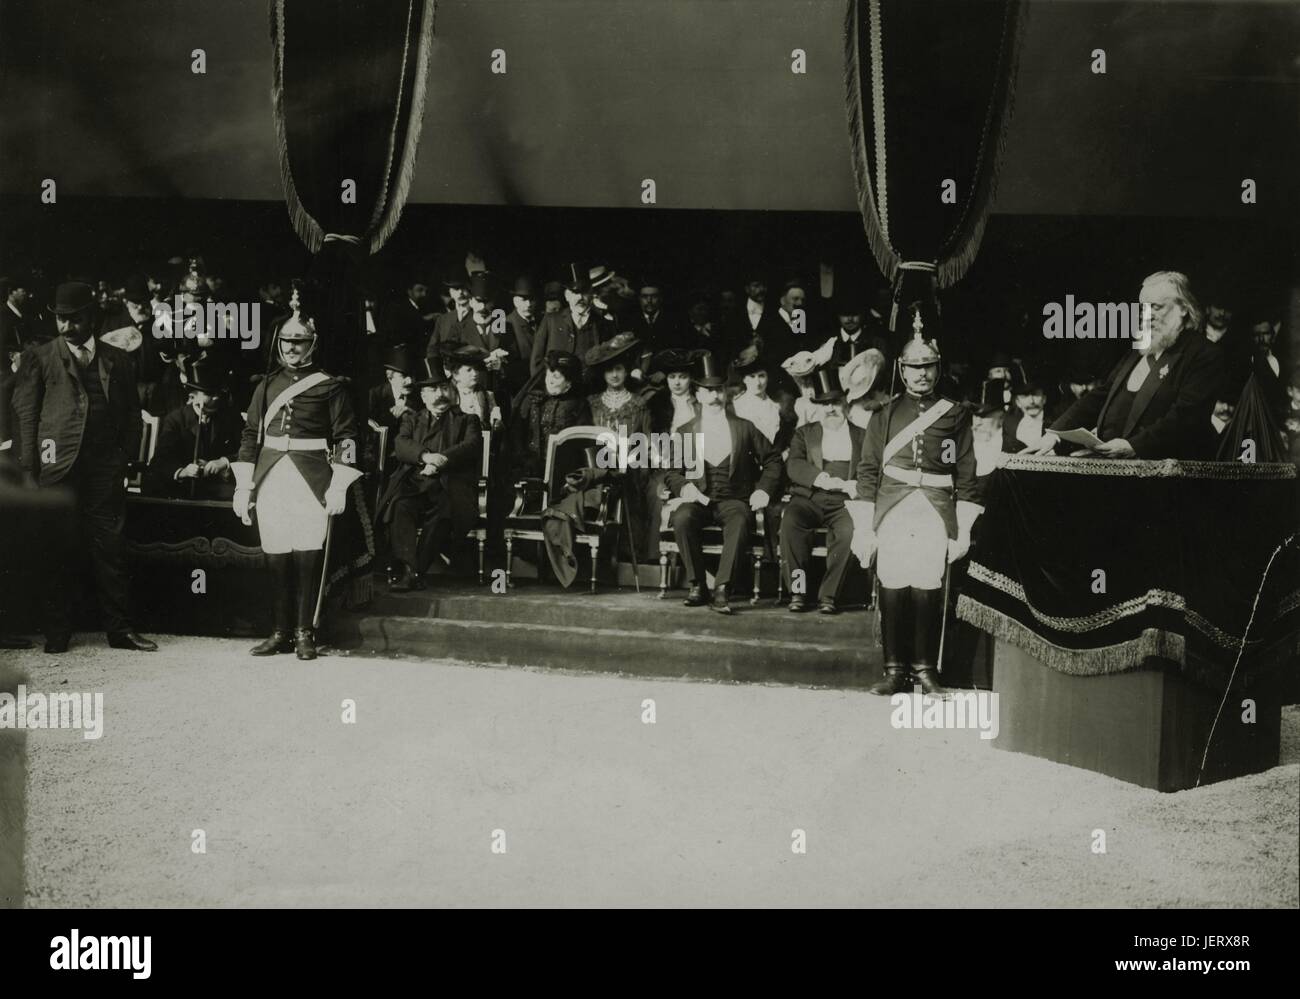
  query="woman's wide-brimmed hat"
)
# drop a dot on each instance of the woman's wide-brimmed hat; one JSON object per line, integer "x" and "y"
{"x": 611, "y": 350}
{"x": 860, "y": 373}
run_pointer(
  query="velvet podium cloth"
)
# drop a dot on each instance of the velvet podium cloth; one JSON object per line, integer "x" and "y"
{"x": 1189, "y": 552}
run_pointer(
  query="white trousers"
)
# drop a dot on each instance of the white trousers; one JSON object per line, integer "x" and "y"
{"x": 913, "y": 545}
{"x": 289, "y": 516}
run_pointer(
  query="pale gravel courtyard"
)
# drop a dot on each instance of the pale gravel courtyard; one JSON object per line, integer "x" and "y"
{"x": 596, "y": 807}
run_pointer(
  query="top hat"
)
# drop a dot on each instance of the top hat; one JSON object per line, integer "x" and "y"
{"x": 828, "y": 385}
{"x": 565, "y": 363}
{"x": 483, "y": 287}
{"x": 72, "y": 297}
{"x": 430, "y": 372}
{"x": 859, "y": 373}
{"x": 524, "y": 287}
{"x": 706, "y": 373}
{"x": 576, "y": 279}
{"x": 611, "y": 350}
{"x": 202, "y": 374}
{"x": 399, "y": 360}
{"x": 991, "y": 399}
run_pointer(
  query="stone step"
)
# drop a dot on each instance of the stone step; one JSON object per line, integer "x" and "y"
{"x": 618, "y": 632}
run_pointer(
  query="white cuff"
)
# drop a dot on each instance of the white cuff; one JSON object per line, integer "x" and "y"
{"x": 342, "y": 476}
{"x": 967, "y": 514}
{"x": 243, "y": 474}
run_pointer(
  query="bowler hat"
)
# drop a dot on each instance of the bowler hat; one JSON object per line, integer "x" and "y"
{"x": 553, "y": 291}
{"x": 399, "y": 360}
{"x": 455, "y": 279}
{"x": 611, "y": 350}
{"x": 429, "y": 372}
{"x": 524, "y": 287}
{"x": 707, "y": 373}
{"x": 828, "y": 385}
{"x": 72, "y": 297}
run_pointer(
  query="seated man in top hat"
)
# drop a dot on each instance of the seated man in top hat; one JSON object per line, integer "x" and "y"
{"x": 741, "y": 472}
{"x": 823, "y": 474}
{"x": 198, "y": 442}
{"x": 435, "y": 490}
{"x": 386, "y": 404}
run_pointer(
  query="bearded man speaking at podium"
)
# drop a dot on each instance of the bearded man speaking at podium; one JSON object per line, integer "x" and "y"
{"x": 1157, "y": 402}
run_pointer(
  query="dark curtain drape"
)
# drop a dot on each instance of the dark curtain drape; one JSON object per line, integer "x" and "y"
{"x": 929, "y": 87}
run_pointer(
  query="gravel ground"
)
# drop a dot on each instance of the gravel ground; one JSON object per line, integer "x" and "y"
{"x": 597, "y": 808}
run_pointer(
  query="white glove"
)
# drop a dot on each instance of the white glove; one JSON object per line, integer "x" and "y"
{"x": 336, "y": 500}
{"x": 690, "y": 494}
{"x": 758, "y": 500}
{"x": 240, "y": 503}
{"x": 958, "y": 548}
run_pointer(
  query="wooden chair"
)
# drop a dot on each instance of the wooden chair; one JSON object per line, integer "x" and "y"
{"x": 566, "y": 451}
{"x": 670, "y": 552}
{"x": 480, "y": 531}
{"x": 148, "y": 445}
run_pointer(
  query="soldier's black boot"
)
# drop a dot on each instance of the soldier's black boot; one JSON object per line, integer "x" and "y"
{"x": 927, "y": 619}
{"x": 281, "y": 639}
{"x": 308, "y": 566}
{"x": 893, "y": 609}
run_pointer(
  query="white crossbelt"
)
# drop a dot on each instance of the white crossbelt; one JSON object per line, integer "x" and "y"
{"x": 296, "y": 443}
{"x": 916, "y": 477}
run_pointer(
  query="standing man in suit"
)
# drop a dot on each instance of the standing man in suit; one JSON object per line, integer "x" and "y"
{"x": 574, "y": 330}
{"x": 822, "y": 468}
{"x": 403, "y": 320}
{"x": 436, "y": 487}
{"x": 79, "y": 425}
{"x": 741, "y": 473}
{"x": 298, "y": 451}
{"x": 917, "y": 476}
{"x": 451, "y": 326}
{"x": 1157, "y": 402}
{"x": 523, "y": 320}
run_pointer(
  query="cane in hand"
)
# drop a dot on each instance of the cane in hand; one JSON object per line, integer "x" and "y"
{"x": 943, "y": 609}
{"x": 324, "y": 572}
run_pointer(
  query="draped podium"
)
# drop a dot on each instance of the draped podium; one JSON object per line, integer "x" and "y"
{"x": 1173, "y": 578}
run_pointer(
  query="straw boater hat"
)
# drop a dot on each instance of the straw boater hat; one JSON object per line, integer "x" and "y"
{"x": 861, "y": 372}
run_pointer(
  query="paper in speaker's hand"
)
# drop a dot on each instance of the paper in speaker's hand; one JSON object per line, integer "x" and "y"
{"x": 1081, "y": 437}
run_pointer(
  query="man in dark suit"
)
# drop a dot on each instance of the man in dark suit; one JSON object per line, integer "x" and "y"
{"x": 198, "y": 442}
{"x": 852, "y": 335}
{"x": 655, "y": 328}
{"x": 456, "y": 324}
{"x": 1157, "y": 401}
{"x": 574, "y": 330}
{"x": 16, "y": 327}
{"x": 403, "y": 322}
{"x": 79, "y": 425}
{"x": 436, "y": 488}
{"x": 739, "y": 471}
{"x": 822, "y": 468}
{"x": 523, "y": 320}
